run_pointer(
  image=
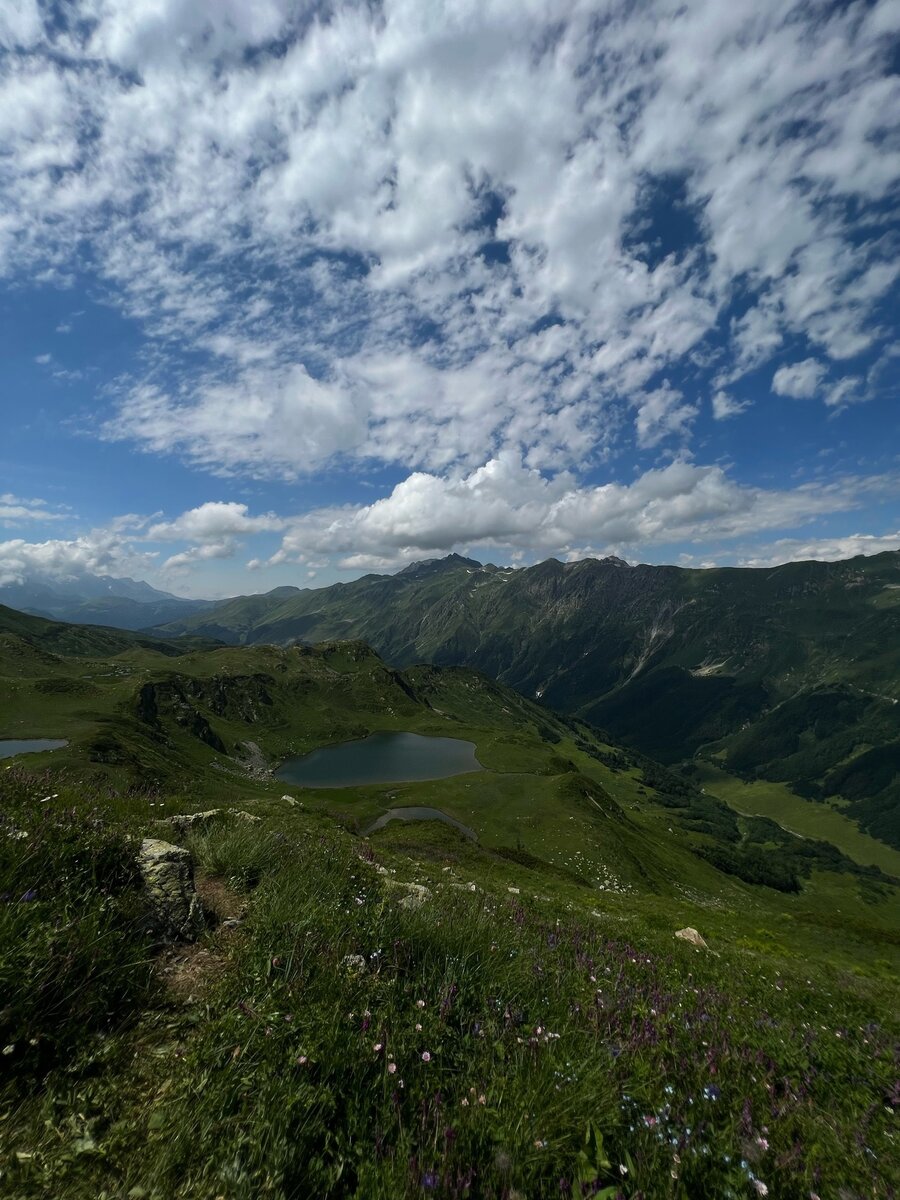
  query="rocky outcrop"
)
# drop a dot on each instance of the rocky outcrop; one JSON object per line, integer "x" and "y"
{"x": 183, "y": 823}
{"x": 168, "y": 875}
{"x": 691, "y": 935}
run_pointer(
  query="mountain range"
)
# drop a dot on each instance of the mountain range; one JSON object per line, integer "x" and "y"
{"x": 97, "y": 600}
{"x": 788, "y": 674}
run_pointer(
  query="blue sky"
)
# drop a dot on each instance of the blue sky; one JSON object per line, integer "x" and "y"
{"x": 292, "y": 292}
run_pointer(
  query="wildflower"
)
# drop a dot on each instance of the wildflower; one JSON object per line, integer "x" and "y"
{"x": 426, "y": 1057}
{"x": 420, "y": 1004}
{"x": 378, "y": 1047}
{"x": 392, "y": 1068}
{"x": 464, "y": 1102}
{"x": 761, "y": 1189}
{"x": 430, "y": 1180}
{"x": 302, "y": 1060}
{"x": 418, "y": 1028}
{"x": 482, "y": 1099}
{"x": 762, "y": 1143}
{"x": 623, "y": 1170}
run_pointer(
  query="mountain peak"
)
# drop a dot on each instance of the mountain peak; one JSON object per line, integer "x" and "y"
{"x": 431, "y": 566}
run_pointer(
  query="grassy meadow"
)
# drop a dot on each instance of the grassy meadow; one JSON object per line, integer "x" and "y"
{"x": 412, "y": 1014}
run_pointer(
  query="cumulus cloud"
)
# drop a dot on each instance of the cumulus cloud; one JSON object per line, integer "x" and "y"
{"x": 800, "y": 380}
{"x": 506, "y": 503}
{"x": 424, "y": 236}
{"x": 213, "y": 528}
{"x": 101, "y": 552}
{"x": 213, "y": 521}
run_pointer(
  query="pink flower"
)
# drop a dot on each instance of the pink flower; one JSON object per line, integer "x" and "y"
{"x": 378, "y": 1047}
{"x": 426, "y": 1057}
{"x": 302, "y": 1060}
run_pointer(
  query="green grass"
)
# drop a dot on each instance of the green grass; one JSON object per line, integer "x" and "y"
{"x": 496, "y": 1044}
{"x": 766, "y": 1059}
{"x": 805, "y": 817}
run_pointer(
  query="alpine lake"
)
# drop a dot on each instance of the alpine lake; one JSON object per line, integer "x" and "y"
{"x": 386, "y": 758}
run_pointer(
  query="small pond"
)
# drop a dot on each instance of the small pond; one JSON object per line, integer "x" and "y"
{"x": 381, "y": 758}
{"x": 9, "y": 747}
{"x": 420, "y": 814}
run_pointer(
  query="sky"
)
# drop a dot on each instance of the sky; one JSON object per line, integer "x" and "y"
{"x": 292, "y": 291}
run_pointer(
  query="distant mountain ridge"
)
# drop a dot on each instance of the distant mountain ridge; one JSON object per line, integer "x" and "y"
{"x": 98, "y": 600}
{"x": 669, "y": 659}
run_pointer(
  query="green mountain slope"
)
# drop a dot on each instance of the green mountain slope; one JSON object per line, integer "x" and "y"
{"x": 402, "y": 1012}
{"x": 668, "y": 659}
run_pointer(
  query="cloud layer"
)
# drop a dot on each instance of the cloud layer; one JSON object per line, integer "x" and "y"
{"x": 427, "y": 235}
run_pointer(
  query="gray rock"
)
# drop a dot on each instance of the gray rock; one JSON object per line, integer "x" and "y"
{"x": 416, "y": 897}
{"x": 691, "y": 935}
{"x": 184, "y": 823}
{"x": 168, "y": 876}
{"x": 354, "y": 963}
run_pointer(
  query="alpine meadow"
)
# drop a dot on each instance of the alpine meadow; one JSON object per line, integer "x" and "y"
{"x": 449, "y": 600}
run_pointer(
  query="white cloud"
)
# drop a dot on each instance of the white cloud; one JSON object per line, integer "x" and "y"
{"x": 266, "y": 423}
{"x": 295, "y": 191}
{"x": 508, "y": 504}
{"x": 800, "y": 380}
{"x": 14, "y": 510}
{"x": 824, "y": 549}
{"x": 725, "y": 406}
{"x": 213, "y": 521}
{"x": 102, "y": 552}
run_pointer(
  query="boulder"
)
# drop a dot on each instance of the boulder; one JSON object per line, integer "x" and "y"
{"x": 168, "y": 875}
{"x": 184, "y": 823}
{"x": 691, "y": 935}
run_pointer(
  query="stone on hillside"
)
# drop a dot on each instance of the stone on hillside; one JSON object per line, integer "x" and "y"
{"x": 691, "y": 935}
{"x": 183, "y": 823}
{"x": 416, "y": 896}
{"x": 354, "y": 963}
{"x": 244, "y": 816}
{"x": 168, "y": 876}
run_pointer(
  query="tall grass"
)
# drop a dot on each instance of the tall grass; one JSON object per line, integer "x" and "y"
{"x": 73, "y": 960}
{"x": 473, "y": 1047}
{"x": 487, "y": 1052}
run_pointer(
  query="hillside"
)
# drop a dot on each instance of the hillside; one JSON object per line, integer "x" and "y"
{"x": 672, "y": 661}
{"x": 406, "y": 1011}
